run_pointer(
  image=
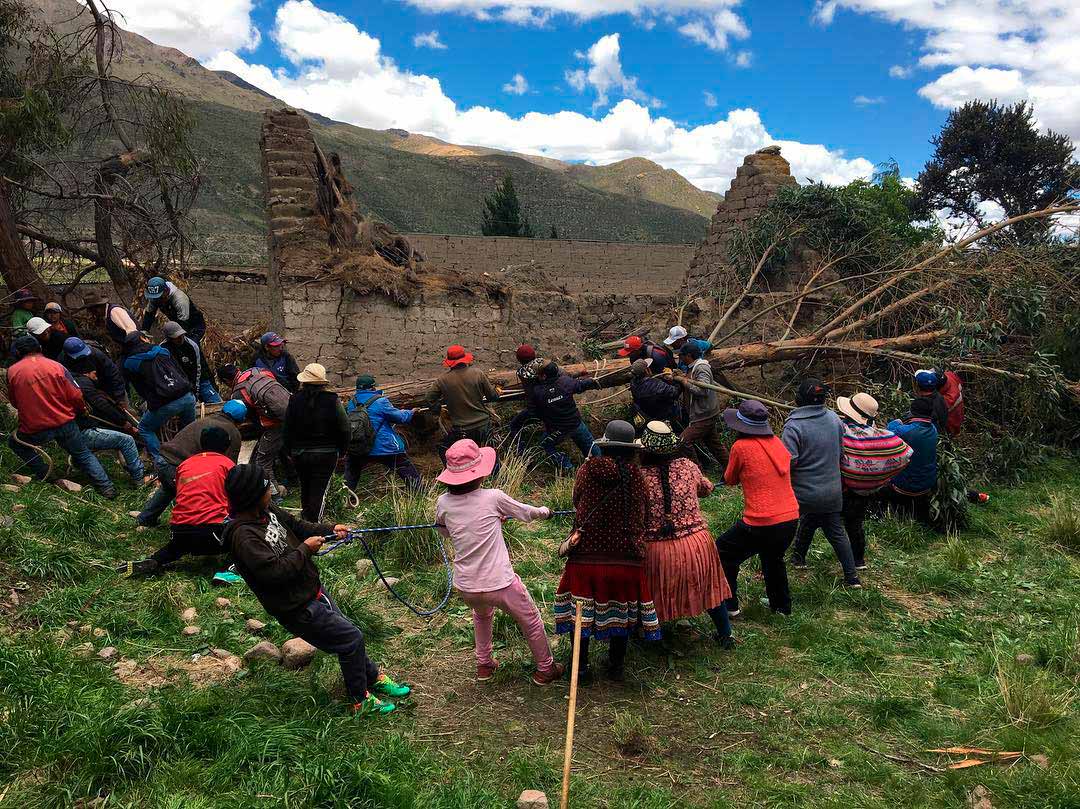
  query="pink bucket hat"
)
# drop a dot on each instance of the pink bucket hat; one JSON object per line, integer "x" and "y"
{"x": 466, "y": 462}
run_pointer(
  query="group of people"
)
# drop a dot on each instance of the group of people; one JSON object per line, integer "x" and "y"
{"x": 640, "y": 553}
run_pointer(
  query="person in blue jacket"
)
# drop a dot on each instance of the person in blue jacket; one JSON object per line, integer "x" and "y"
{"x": 677, "y": 338}
{"x": 163, "y": 387}
{"x": 912, "y": 489}
{"x": 389, "y": 447}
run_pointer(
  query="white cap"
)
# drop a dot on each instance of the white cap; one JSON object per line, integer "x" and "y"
{"x": 675, "y": 334}
{"x": 37, "y": 325}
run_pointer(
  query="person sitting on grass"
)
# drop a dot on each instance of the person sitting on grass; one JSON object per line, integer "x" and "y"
{"x": 912, "y": 489}
{"x": 761, "y": 464}
{"x": 681, "y": 562}
{"x": 200, "y": 510}
{"x": 276, "y": 564}
{"x": 472, "y": 518}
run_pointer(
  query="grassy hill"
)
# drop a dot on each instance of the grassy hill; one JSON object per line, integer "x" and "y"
{"x": 415, "y": 182}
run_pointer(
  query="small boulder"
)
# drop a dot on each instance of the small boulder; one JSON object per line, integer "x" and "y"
{"x": 83, "y": 649}
{"x": 532, "y": 799}
{"x": 9, "y": 487}
{"x": 99, "y": 632}
{"x": 297, "y": 653}
{"x": 69, "y": 486}
{"x": 254, "y": 625}
{"x": 18, "y": 507}
{"x": 363, "y": 567}
{"x": 1025, "y": 660}
{"x": 134, "y": 514}
{"x": 190, "y": 631}
{"x": 1040, "y": 760}
{"x": 390, "y": 581}
{"x": 22, "y": 480}
{"x": 223, "y": 602}
{"x": 220, "y": 654}
{"x": 189, "y": 615}
{"x": 264, "y": 650}
{"x": 108, "y": 653}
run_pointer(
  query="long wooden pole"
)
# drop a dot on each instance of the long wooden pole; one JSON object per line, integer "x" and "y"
{"x": 575, "y": 667}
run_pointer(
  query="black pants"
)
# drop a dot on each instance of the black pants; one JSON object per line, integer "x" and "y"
{"x": 518, "y": 423}
{"x": 314, "y": 470}
{"x": 197, "y": 540}
{"x": 832, "y": 526}
{"x": 400, "y": 464}
{"x": 324, "y": 626}
{"x": 769, "y": 543}
{"x": 616, "y": 652}
{"x": 855, "y": 523}
{"x": 917, "y": 507}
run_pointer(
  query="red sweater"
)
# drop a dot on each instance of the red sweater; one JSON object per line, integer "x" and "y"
{"x": 762, "y": 466}
{"x": 200, "y": 490}
{"x": 44, "y": 394}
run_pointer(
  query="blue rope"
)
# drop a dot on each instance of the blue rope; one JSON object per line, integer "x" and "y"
{"x": 358, "y": 534}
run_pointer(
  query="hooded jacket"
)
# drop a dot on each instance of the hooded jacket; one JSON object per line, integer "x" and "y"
{"x": 814, "y": 435}
{"x": 315, "y": 422}
{"x": 109, "y": 377}
{"x": 762, "y": 466}
{"x": 703, "y": 403}
{"x": 189, "y": 357}
{"x": 155, "y": 375}
{"x": 276, "y": 564}
{"x": 654, "y": 398}
{"x": 552, "y": 401}
{"x": 383, "y": 416}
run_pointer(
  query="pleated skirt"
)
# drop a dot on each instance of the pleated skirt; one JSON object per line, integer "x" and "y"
{"x": 685, "y": 576}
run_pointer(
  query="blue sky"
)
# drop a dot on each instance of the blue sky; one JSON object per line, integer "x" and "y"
{"x": 692, "y": 84}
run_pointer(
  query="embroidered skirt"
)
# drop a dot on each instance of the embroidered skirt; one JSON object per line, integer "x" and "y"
{"x": 615, "y": 601}
{"x": 685, "y": 576}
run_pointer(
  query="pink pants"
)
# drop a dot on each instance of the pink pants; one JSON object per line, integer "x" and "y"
{"x": 515, "y": 600}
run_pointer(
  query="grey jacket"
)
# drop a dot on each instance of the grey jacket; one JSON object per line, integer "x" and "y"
{"x": 702, "y": 403}
{"x": 814, "y": 436}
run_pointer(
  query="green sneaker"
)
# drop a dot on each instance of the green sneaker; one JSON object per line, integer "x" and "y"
{"x": 371, "y": 704}
{"x": 388, "y": 688}
{"x": 226, "y": 579}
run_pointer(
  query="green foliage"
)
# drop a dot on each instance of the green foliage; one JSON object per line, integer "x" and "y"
{"x": 502, "y": 215}
{"x": 994, "y": 152}
{"x": 1062, "y": 524}
{"x": 949, "y": 506}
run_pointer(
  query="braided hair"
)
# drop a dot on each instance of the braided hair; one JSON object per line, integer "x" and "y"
{"x": 662, "y": 463}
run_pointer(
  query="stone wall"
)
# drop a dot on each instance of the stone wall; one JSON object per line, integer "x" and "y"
{"x": 756, "y": 182}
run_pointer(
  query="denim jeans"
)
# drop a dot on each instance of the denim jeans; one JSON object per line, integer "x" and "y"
{"x": 323, "y": 625}
{"x": 153, "y": 420}
{"x": 163, "y": 495}
{"x": 832, "y": 525}
{"x": 580, "y": 435}
{"x": 70, "y": 437}
{"x": 99, "y": 439}
{"x": 208, "y": 393}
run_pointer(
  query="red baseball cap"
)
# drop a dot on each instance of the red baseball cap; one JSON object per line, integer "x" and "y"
{"x": 457, "y": 355}
{"x": 630, "y": 345}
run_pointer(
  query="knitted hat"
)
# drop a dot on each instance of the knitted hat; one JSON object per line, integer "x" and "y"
{"x": 25, "y": 345}
{"x": 922, "y": 407}
{"x": 244, "y": 485}
{"x": 365, "y": 382}
{"x": 659, "y": 438}
{"x": 811, "y": 392}
{"x": 525, "y": 353}
{"x": 155, "y": 288}
{"x": 213, "y": 439}
{"x": 227, "y": 373}
{"x": 235, "y": 410}
{"x": 75, "y": 348}
{"x": 23, "y": 295}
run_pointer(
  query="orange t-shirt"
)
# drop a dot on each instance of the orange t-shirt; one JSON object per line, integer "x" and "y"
{"x": 200, "y": 490}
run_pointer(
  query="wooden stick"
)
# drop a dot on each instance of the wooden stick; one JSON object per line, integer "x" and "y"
{"x": 575, "y": 666}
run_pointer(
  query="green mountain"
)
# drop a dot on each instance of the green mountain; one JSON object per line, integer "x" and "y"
{"x": 414, "y": 182}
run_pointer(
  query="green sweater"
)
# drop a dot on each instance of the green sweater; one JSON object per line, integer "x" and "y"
{"x": 19, "y": 319}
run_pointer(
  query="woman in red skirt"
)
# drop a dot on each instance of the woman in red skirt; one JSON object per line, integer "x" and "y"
{"x": 681, "y": 562}
{"x": 605, "y": 568}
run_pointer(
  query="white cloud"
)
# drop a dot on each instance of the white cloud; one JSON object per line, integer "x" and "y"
{"x": 710, "y": 99}
{"x": 200, "y": 28}
{"x": 744, "y": 59}
{"x": 523, "y": 10}
{"x": 999, "y": 49}
{"x": 517, "y": 86}
{"x": 329, "y": 76}
{"x": 714, "y": 31}
{"x": 605, "y": 74}
{"x": 868, "y": 101}
{"x": 429, "y": 40}
{"x": 899, "y": 72}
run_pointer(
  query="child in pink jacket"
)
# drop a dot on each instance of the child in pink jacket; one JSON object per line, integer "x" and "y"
{"x": 472, "y": 517}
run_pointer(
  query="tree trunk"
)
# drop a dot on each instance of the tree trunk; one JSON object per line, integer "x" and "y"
{"x": 17, "y": 270}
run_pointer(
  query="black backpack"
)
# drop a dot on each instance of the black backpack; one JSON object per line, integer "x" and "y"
{"x": 164, "y": 381}
{"x": 361, "y": 432}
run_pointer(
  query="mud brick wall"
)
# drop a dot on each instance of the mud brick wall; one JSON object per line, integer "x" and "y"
{"x": 574, "y": 265}
{"x": 756, "y": 182}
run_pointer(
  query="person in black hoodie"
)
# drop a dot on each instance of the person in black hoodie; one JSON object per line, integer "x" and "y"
{"x": 528, "y": 373}
{"x": 552, "y": 400}
{"x": 654, "y": 398}
{"x": 104, "y": 425}
{"x": 274, "y": 561}
{"x": 188, "y": 354}
{"x": 109, "y": 377}
{"x": 316, "y": 432}
{"x": 161, "y": 383}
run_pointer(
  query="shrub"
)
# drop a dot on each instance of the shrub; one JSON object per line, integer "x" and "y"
{"x": 1062, "y": 525}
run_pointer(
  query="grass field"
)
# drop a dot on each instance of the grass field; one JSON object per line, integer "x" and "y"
{"x": 836, "y": 706}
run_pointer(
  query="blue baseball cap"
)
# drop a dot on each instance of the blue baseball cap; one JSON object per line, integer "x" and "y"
{"x": 155, "y": 287}
{"x": 76, "y": 348}
{"x": 926, "y": 380}
{"x": 235, "y": 409}
{"x": 272, "y": 338}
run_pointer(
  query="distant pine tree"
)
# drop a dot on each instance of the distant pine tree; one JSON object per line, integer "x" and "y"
{"x": 502, "y": 215}
{"x": 554, "y": 233}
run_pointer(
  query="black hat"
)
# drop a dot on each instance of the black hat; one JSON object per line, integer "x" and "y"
{"x": 213, "y": 439}
{"x": 922, "y": 407}
{"x": 25, "y": 345}
{"x": 690, "y": 349}
{"x": 619, "y": 433}
{"x": 811, "y": 392}
{"x": 244, "y": 485}
{"x": 227, "y": 373}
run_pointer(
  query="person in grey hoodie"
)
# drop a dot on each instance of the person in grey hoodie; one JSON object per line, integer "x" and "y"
{"x": 814, "y": 436}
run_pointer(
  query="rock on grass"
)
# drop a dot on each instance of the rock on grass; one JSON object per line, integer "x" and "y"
{"x": 297, "y": 653}
{"x": 189, "y": 615}
{"x": 189, "y": 631}
{"x": 254, "y": 625}
{"x": 532, "y": 799}
{"x": 223, "y": 602}
{"x": 69, "y": 486}
{"x": 108, "y": 653}
{"x": 264, "y": 650}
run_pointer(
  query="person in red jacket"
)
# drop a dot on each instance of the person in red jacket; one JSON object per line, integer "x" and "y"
{"x": 200, "y": 510}
{"x": 48, "y": 400}
{"x": 761, "y": 464}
